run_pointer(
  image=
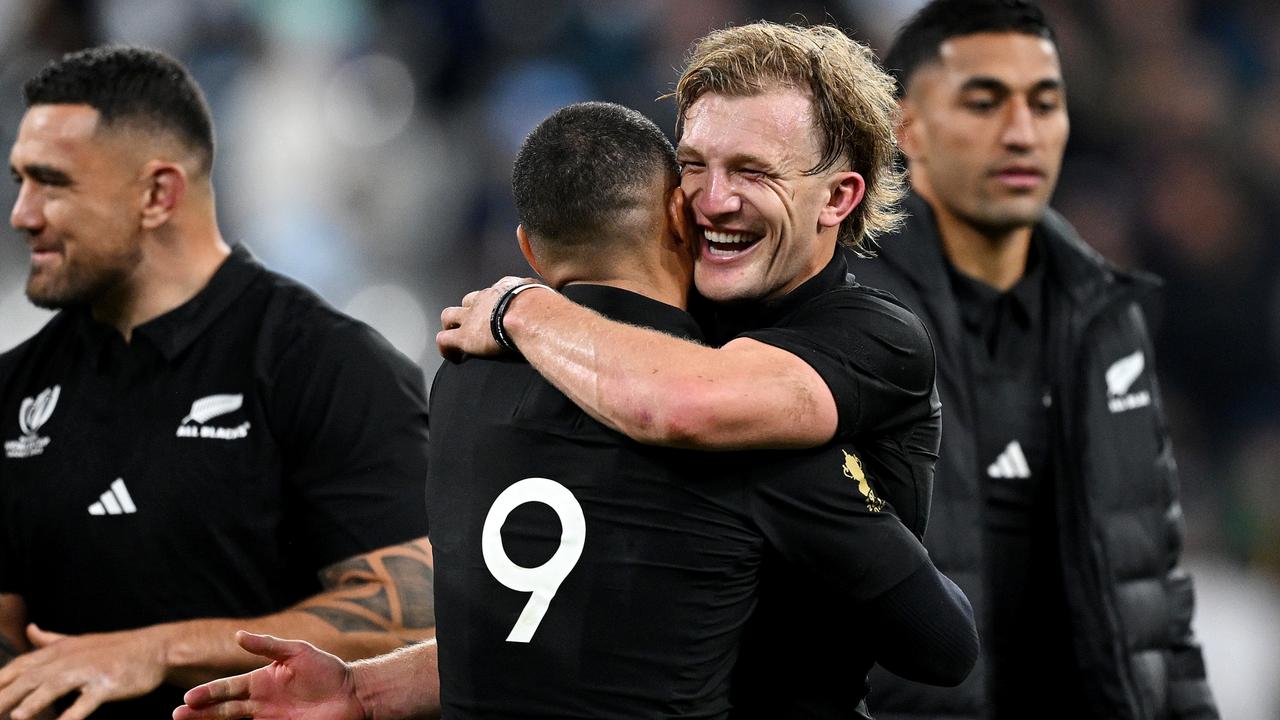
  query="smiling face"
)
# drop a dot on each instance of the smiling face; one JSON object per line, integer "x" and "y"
{"x": 764, "y": 226}
{"x": 984, "y": 129}
{"x": 78, "y": 204}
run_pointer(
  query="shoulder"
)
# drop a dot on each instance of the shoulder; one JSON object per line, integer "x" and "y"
{"x": 301, "y": 329}
{"x": 857, "y": 310}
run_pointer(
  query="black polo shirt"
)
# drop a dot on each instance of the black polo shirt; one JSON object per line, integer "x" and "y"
{"x": 877, "y": 359}
{"x": 208, "y": 468}
{"x": 582, "y": 575}
{"x": 1028, "y": 642}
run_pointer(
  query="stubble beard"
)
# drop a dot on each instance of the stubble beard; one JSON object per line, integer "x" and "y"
{"x": 80, "y": 283}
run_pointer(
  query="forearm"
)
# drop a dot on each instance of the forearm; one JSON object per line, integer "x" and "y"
{"x": 400, "y": 685}
{"x": 196, "y": 651}
{"x": 924, "y": 629}
{"x": 660, "y": 389}
{"x": 373, "y": 603}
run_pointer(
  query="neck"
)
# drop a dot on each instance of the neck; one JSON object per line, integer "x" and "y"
{"x": 663, "y": 273}
{"x": 996, "y": 257}
{"x": 175, "y": 265}
{"x": 667, "y": 292}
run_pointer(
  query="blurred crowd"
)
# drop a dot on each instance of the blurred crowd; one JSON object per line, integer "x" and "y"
{"x": 365, "y": 148}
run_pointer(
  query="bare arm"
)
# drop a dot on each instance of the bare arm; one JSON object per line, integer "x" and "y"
{"x": 304, "y": 683}
{"x": 653, "y": 387}
{"x": 371, "y": 603}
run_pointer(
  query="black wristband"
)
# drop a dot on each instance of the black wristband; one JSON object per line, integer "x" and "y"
{"x": 500, "y": 310}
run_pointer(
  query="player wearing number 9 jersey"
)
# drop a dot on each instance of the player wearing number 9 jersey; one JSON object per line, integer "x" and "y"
{"x": 580, "y": 574}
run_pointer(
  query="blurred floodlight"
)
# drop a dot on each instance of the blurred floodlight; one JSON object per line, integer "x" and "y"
{"x": 369, "y": 100}
{"x": 396, "y": 313}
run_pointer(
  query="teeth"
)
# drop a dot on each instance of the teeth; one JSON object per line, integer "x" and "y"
{"x": 728, "y": 238}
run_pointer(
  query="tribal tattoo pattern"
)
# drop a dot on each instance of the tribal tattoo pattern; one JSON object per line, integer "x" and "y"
{"x": 389, "y": 590}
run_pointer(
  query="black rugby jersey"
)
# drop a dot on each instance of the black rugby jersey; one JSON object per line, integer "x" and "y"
{"x": 210, "y": 467}
{"x": 582, "y": 575}
{"x": 807, "y": 651}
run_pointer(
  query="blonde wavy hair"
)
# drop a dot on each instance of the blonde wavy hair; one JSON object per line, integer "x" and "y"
{"x": 854, "y": 106}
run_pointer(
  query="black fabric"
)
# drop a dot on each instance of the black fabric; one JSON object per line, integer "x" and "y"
{"x": 1114, "y": 490}
{"x": 317, "y": 454}
{"x": 1028, "y": 626}
{"x": 647, "y": 621}
{"x": 877, "y": 360}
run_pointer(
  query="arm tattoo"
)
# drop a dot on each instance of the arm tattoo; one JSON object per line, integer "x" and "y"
{"x": 390, "y": 590}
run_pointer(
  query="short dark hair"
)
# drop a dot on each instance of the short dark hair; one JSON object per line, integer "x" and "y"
{"x": 131, "y": 85}
{"x": 919, "y": 40}
{"x": 583, "y": 168}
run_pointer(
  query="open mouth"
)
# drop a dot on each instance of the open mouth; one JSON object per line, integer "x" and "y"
{"x": 728, "y": 244}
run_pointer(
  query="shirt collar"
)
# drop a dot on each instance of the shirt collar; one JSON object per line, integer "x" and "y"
{"x": 727, "y": 321}
{"x": 626, "y": 306}
{"x": 978, "y": 300}
{"x": 176, "y": 330}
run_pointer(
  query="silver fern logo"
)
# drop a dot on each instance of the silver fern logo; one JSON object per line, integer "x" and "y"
{"x": 32, "y": 415}
{"x": 208, "y": 408}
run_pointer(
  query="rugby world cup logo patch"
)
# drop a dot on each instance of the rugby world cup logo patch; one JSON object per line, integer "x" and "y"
{"x": 32, "y": 415}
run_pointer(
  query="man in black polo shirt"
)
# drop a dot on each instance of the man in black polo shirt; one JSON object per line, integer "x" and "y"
{"x": 581, "y": 574}
{"x": 192, "y": 444}
{"x": 1056, "y": 501}
{"x": 786, "y": 150}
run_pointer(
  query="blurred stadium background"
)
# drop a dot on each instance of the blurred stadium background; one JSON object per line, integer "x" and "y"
{"x": 365, "y": 148}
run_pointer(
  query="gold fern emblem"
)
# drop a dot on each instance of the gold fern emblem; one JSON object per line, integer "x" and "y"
{"x": 853, "y": 471}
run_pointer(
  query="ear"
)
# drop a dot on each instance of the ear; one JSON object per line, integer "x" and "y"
{"x": 522, "y": 237}
{"x": 846, "y": 191}
{"x": 678, "y": 220}
{"x": 908, "y": 128}
{"x": 165, "y": 187}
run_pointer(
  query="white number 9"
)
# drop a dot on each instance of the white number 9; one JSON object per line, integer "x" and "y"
{"x": 544, "y": 580}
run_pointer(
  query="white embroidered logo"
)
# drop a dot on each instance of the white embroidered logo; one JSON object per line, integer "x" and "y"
{"x": 115, "y": 501}
{"x": 208, "y": 408}
{"x": 1120, "y": 377}
{"x": 32, "y": 415}
{"x": 1012, "y": 463}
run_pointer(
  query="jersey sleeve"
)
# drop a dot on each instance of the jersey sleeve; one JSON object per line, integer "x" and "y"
{"x": 350, "y": 414}
{"x": 820, "y": 515}
{"x": 874, "y": 355}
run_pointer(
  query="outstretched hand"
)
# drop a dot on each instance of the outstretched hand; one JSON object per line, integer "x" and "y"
{"x": 99, "y": 667}
{"x": 301, "y": 683}
{"x": 466, "y": 326}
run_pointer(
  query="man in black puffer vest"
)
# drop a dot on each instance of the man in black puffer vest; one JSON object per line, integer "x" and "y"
{"x": 1055, "y": 504}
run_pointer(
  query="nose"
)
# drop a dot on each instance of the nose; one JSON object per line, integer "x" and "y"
{"x": 718, "y": 196}
{"x": 1020, "y": 127}
{"x": 28, "y": 211}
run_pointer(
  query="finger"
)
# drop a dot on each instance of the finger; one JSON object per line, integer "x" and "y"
{"x": 232, "y": 688}
{"x": 81, "y": 708}
{"x": 13, "y": 692}
{"x": 446, "y": 347}
{"x": 38, "y": 700}
{"x": 452, "y": 317}
{"x": 42, "y": 638}
{"x": 222, "y": 711}
{"x": 270, "y": 647}
{"x": 470, "y": 298}
{"x": 509, "y": 282}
